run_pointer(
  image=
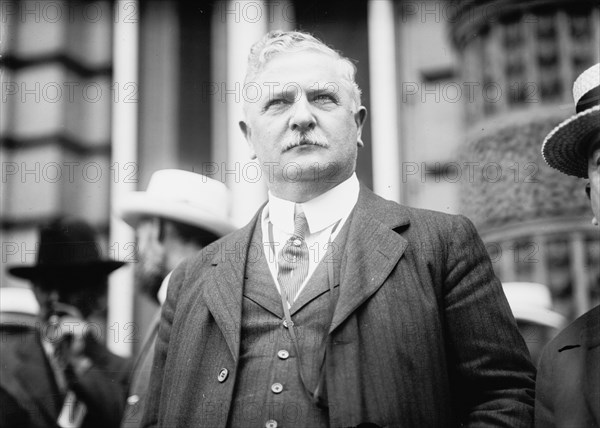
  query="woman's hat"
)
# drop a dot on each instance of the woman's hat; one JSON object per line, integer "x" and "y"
{"x": 565, "y": 147}
{"x": 182, "y": 196}
{"x": 67, "y": 248}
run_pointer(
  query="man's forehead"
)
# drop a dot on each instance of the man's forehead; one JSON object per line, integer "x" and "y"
{"x": 305, "y": 62}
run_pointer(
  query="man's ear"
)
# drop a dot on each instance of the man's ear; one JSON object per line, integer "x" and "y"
{"x": 248, "y": 136}
{"x": 359, "y": 117}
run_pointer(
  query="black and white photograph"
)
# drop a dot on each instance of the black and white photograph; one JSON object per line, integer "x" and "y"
{"x": 285, "y": 213}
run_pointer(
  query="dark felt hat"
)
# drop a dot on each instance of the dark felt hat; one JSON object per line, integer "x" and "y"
{"x": 67, "y": 248}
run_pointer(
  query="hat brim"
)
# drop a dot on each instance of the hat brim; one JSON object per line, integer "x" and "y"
{"x": 539, "y": 316}
{"x": 138, "y": 205}
{"x": 102, "y": 267}
{"x": 562, "y": 148}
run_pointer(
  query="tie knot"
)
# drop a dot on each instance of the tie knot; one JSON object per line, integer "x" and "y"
{"x": 300, "y": 226}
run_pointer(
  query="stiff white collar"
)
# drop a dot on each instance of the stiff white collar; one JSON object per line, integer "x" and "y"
{"x": 321, "y": 212}
{"x": 162, "y": 291}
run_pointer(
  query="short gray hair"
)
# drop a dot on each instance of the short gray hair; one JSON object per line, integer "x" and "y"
{"x": 277, "y": 42}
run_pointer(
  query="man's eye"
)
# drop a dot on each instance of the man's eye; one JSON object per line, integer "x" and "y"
{"x": 277, "y": 102}
{"x": 325, "y": 98}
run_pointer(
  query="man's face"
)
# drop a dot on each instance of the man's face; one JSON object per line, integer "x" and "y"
{"x": 150, "y": 269}
{"x": 594, "y": 176}
{"x": 78, "y": 298}
{"x": 305, "y": 125}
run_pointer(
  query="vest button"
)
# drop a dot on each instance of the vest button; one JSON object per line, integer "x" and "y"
{"x": 276, "y": 388}
{"x": 223, "y": 375}
{"x": 283, "y": 354}
{"x": 133, "y": 399}
{"x": 286, "y": 324}
{"x": 271, "y": 424}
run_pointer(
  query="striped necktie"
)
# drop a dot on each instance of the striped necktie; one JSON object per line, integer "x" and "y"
{"x": 293, "y": 260}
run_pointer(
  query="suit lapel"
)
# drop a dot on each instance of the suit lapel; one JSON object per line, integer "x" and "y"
{"x": 260, "y": 287}
{"x": 592, "y": 382}
{"x": 591, "y": 341}
{"x": 318, "y": 284}
{"x": 372, "y": 251}
{"x": 224, "y": 295}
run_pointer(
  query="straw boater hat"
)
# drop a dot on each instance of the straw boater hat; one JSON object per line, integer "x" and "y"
{"x": 67, "y": 249}
{"x": 182, "y": 196}
{"x": 531, "y": 302}
{"x": 565, "y": 147}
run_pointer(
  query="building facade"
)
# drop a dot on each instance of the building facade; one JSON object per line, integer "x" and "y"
{"x": 97, "y": 95}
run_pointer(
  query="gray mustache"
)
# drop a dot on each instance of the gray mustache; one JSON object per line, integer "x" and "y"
{"x": 305, "y": 138}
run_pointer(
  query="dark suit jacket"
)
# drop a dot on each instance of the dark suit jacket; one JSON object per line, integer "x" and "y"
{"x": 140, "y": 376}
{"x": 568, "y": 382}
{"x": 27, "y": 379}
{"x": 12, "y": 415}
{"x": 422, "y": 334}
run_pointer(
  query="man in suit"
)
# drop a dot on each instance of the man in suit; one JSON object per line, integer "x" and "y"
{"x": 175, "y": 217}
{"x": 59, "y": 373}
{"x": 568, "y": 383}
{"x": 334, "y": 307}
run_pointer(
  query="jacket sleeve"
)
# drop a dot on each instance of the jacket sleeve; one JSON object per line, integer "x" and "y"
{"x": 544, "y": 411}
{"x": 493, "y": 377}
{"x": 103, "y": 386}
{"x": 153, "y": 398}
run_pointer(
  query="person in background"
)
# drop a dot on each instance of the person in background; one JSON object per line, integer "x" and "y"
{"x": 568, "y": 382}
{"x": 60, "y": 372}
{"x": 531, "y": 305}
{"x": 19, "y": 312}
{"x": 334, "y": 307}
{"x": 179, "y": 214}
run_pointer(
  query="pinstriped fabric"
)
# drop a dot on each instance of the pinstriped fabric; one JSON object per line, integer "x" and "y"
{"x": 293, "y": 260}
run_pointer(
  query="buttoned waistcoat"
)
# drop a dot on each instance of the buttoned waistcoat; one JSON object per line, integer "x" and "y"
{"x": 268, "y": 384}
{"x": 421, "y": 335}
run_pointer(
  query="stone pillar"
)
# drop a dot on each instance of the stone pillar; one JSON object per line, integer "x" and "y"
{"x": 384, "y": 108}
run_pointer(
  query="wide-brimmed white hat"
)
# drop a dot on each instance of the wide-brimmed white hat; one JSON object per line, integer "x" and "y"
{"x": 182, "y": 196}
{"x": 565, "y": 147}
{"x": 18, "y": 306}
{"x": 531, "y": 302}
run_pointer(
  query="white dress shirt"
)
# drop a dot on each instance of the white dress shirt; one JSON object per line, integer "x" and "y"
{"x": 161, "y": 296}
{"x": 322, "y": 214}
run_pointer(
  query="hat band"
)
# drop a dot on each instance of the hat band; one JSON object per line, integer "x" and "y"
{"x": 590, "y": 99}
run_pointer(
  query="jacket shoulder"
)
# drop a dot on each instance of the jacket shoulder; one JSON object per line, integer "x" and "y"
{"x": 391, "y": 211}
{"x": 584, "y": 331}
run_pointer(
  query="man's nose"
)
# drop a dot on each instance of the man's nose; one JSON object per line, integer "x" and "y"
{"x": 302, "y": 118}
